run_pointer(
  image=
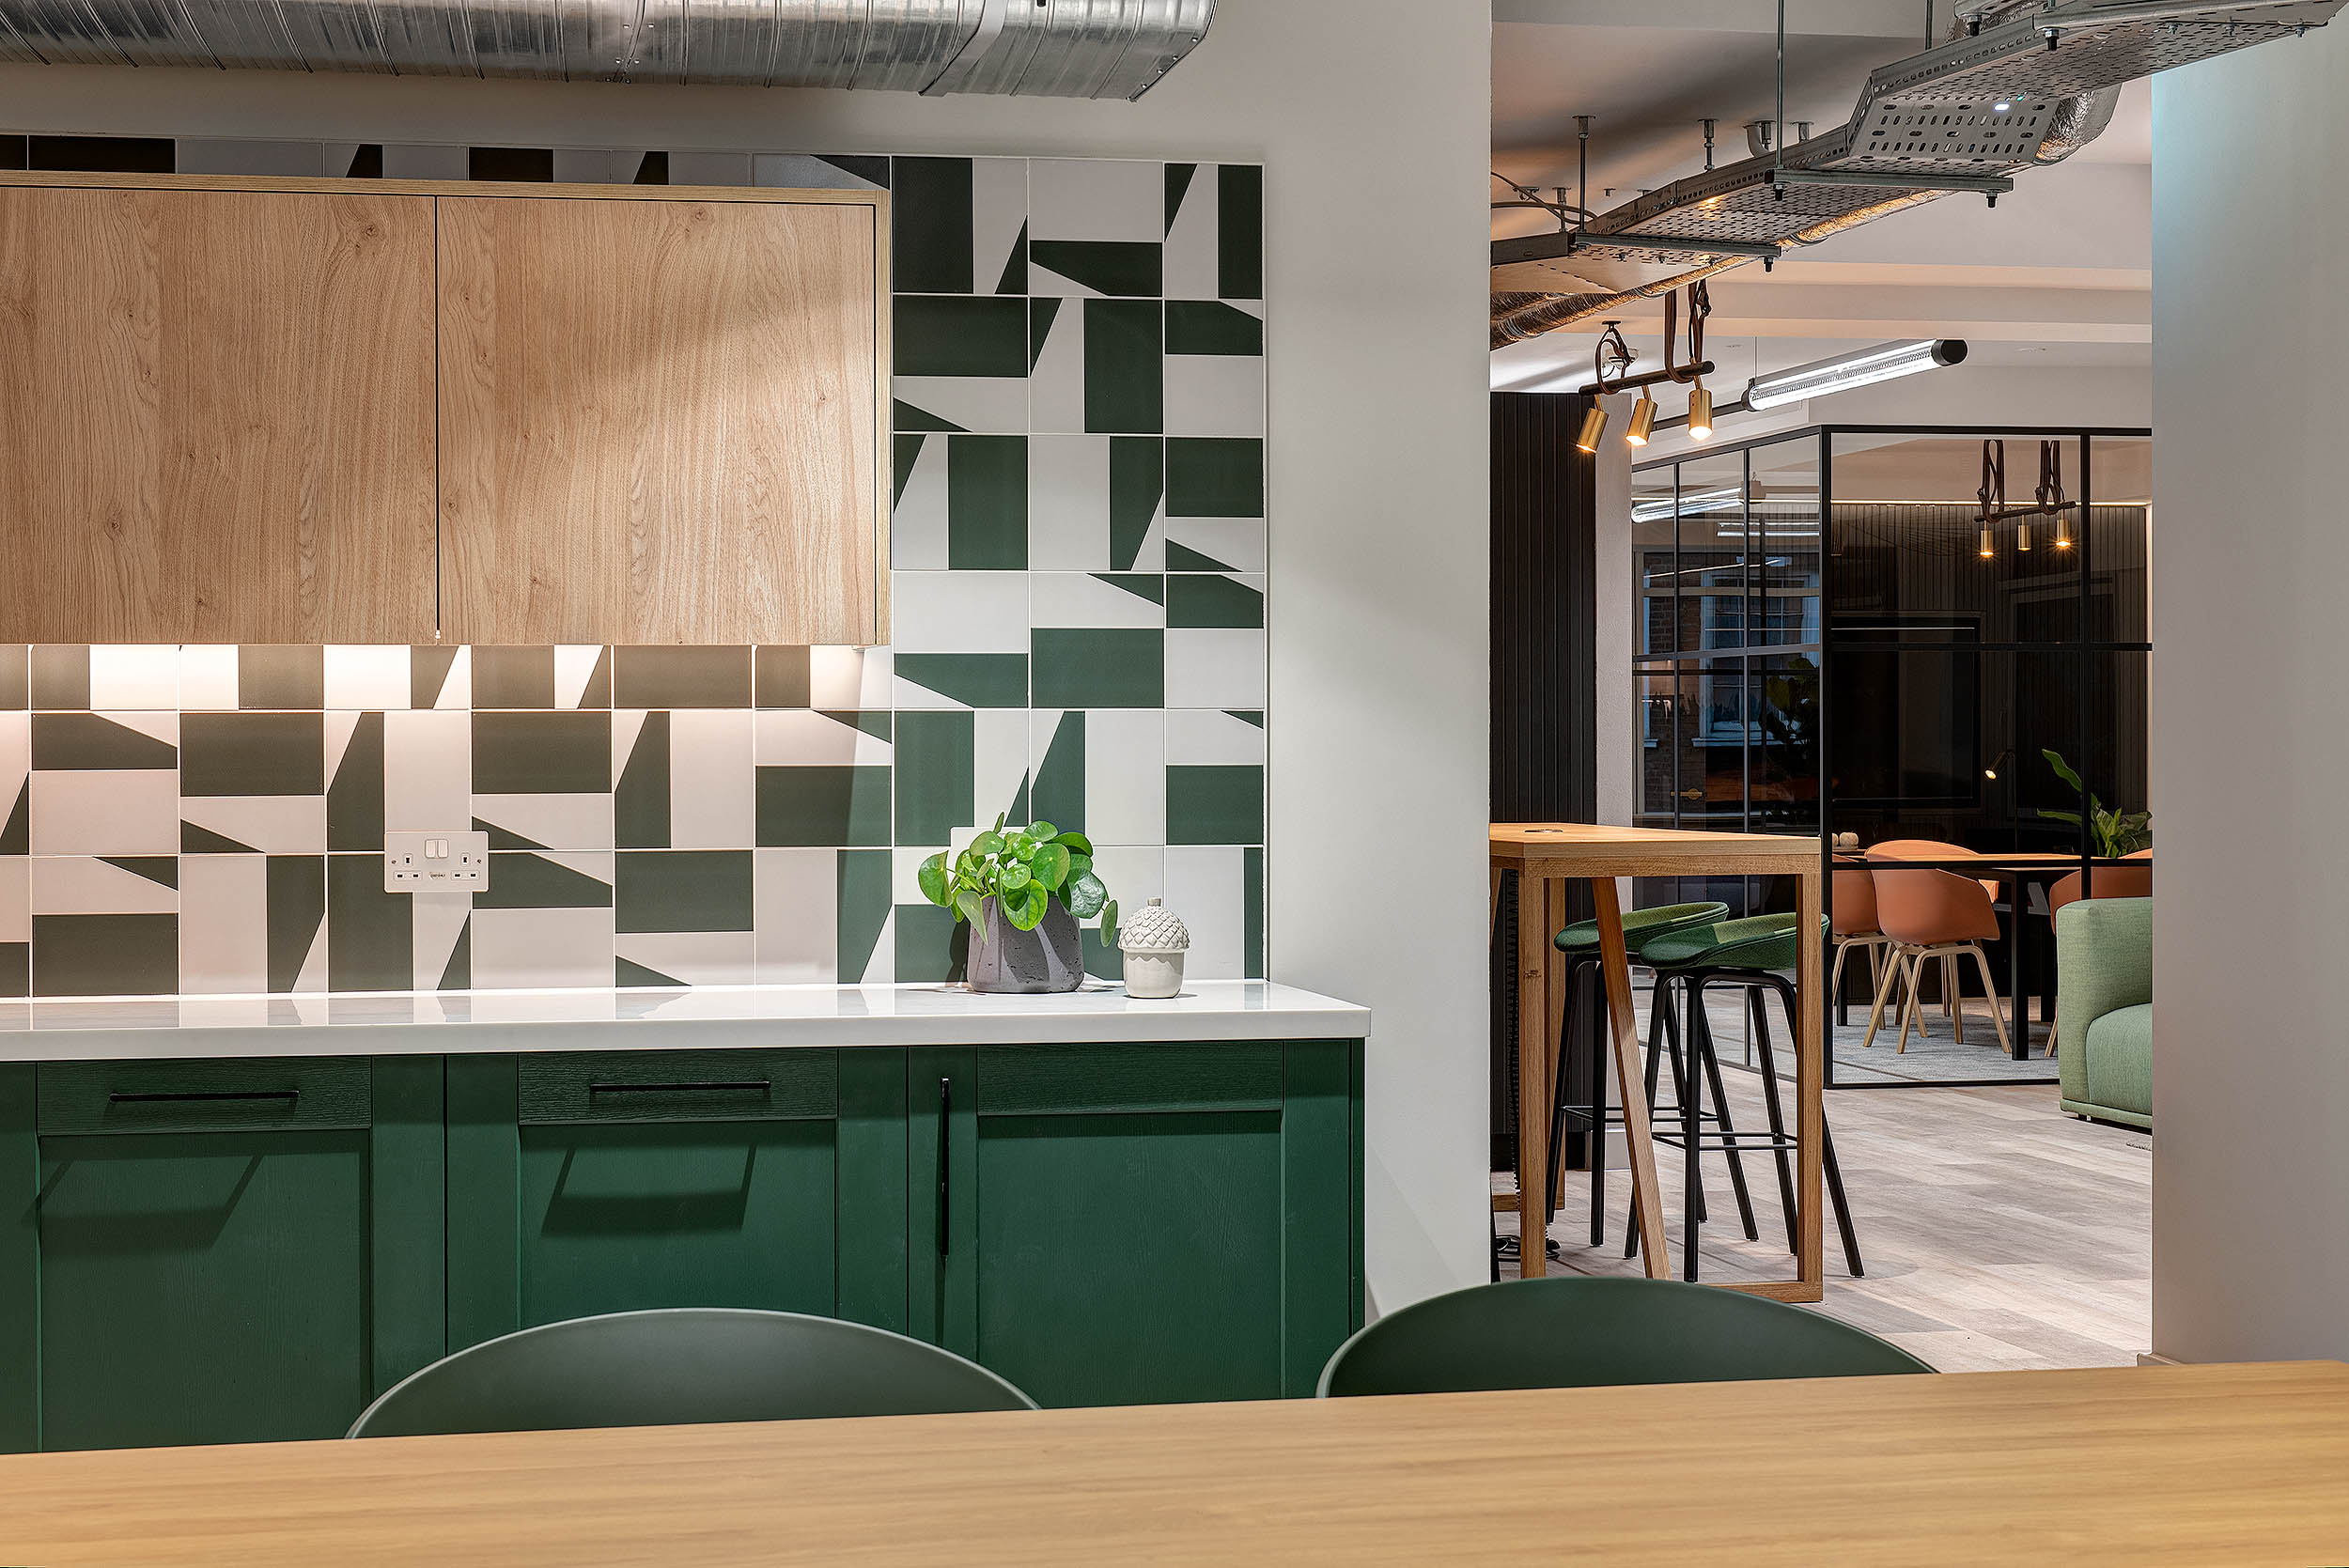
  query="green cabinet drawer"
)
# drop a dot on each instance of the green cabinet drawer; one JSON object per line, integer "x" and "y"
{"x": 283, "y": 1093}
{"x": 679, "y": 1086}
{"x": 214, "y": 1251}
{"x": 617, "y": 1180}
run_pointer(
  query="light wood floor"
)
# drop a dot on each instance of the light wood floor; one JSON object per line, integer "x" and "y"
{"x": 1996, "y": 1231}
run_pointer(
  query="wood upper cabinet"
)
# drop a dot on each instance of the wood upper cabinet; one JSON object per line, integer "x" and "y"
{"x": 304, "y": 411}
{"x": 661, "y": 418}
{"x": 216, "y": 411}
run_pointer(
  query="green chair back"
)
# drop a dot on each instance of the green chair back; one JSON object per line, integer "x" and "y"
{"x": 1569, "y": 1332}
{"x": 1639, "y": 925}
{"x": 680, "y": 1367}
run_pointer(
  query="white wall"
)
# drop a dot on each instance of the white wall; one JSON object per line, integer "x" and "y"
{"x": 1372, "y": 117}
{"x": 2250, "y": 1067}
{"x": 1618, "y": 726}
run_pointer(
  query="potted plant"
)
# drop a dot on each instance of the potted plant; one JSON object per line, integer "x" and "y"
{"x": 2115, "y": 835}
{"x": 1023, "y": 890}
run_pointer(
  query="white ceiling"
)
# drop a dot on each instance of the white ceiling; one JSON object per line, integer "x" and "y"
{"x": 2057, "y": 274}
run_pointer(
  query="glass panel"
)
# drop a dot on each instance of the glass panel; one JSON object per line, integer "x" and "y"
{"x": 1656, "y": 695}
{"x": 2120, "y": 527}
{"x": 1713, "y": 774}
{"x": 1713, "y": 585}
{"x": 1783, "y": 502}
{"x": 1785, "y": 792}
{"x": 1653, "y": 572}
{"x": 1921, "y": 558}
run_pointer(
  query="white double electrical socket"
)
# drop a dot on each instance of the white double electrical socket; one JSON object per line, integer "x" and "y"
{"x": 436, "y": 863}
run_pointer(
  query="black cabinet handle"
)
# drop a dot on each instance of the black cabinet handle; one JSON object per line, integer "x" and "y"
{"x": 183, "y": 1095}
{"x": 946, "y": 1105}
{"x": 743, "y": 1086}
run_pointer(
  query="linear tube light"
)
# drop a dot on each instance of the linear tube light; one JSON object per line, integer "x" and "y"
{"x": 1845, "y": 371}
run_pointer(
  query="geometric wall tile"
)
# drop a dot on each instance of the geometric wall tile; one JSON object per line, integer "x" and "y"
{"x": 1214, "y": 478}
{"x": 1215, "y": 544}
{"x": 104, "y": 813}
{"x": 15, "y": 676}
{"x": 105, "y": 956}
{"x": 685, "y": 959}
{"x": 261, "y": 824}
{"x": 917, "y": 522}
{"x": 1193, "y": 271}
{"x": 252, "y": 754}
{"x": 207, "y": 677}
{"x": 1210, "y": 888}
{"x": 712, "y": 801}
{"x": 1068, "y": 503}
{"x": 1215, "y": 667}
{"x": 367, "y": 678}
{"x": 1215, "y": 804}
{"x": 87, "y": 885}
{"x": 1212, "y": 738}
{"x": 959, "y": 613}
{"x": 281, "y": 675}
{"x": 1097, "y": 198}
{"x": 1101, "y": 667}
{"x": 223, "y": 942}
{"x": 59, "y": 677}
{"x": 796, "y": 914}
{"x": 1206, "y": 599}
{"x": 1096, "y": 599}
{"x": 137, "y": 676}
{"x": 680, "y": 677}
{"x": 1213, "y": 395}
{"x": 532, "y": 948}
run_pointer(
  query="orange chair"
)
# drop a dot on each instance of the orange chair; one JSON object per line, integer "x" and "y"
{"x": 2113, "y": 881}
{"x": 1932, "y": 914}
{"x": 1855, "y": 925}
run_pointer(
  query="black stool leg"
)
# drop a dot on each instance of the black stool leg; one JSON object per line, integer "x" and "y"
{"x": 1575, "y": 1015}
{"x": 1826, "y": 1152}
{"x": 1777, "y": 1112}
{"x": 1701, "y": 1046}
{"x": 1691, "y": 1167}
{"x": 1688, "y": 1096}
{"x": 1606, "y": 1035}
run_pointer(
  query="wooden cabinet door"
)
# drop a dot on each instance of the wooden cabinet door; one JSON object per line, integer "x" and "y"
{"x": 216, "y": 407}
{"x": 659, "y": 421}
{"x": 620, "y": 1181}
{"x": 214, "y": 1251}
{"x": 1135, "y": 1224}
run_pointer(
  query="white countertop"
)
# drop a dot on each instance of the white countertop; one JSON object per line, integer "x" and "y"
{"x": 705, "y": 1018}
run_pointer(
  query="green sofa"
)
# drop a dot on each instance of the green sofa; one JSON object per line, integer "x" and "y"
{"x": 2105, "y": 1008}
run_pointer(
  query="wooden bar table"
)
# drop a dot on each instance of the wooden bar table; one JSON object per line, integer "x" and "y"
{"x": 2142, "y": 1467}
{"x": 1547, "y": 856}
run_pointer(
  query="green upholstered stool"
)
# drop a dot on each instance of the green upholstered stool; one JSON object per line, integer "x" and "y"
{"x": 1579, "y": 942}
{"x": 1754, "y": 954}
{"x": 1565, "y": 1332}
{"x": 678, "y": 1366}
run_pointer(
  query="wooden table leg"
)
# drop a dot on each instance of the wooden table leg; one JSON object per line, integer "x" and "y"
{"x": 1810, "y": 1091}
{"x": 1631, "y": 1084}
{"x": 1534, "y": 949}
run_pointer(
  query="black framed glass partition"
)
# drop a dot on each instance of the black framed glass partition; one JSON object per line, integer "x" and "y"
{"x": 1873, "y": 632}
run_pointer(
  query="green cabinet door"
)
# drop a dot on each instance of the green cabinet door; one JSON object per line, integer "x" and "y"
{"x": 1138, "y": 1223}
{"x": 585, "y": 1183}
{"x": 214, "y": 1251}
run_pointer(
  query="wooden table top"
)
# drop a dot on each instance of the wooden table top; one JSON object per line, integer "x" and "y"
{"x": 2168, "y": 1465}
{"x": 1597, "y": 849}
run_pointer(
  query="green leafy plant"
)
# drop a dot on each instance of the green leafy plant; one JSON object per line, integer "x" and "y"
{"x": 1023, "y": 870}
{"x": 2116, "y": 834}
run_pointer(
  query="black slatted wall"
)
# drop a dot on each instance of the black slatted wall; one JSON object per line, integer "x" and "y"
{"x": 1544, "y": 669}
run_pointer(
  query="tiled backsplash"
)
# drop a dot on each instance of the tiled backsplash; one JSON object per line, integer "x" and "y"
{"x": 1080, "y": 554}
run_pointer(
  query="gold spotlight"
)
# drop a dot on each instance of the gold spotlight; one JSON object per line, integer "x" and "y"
{"x": 1988, "y": 550}
{"x": 2064, "y": 532}
{"x": 1700, "y": 414}
{"x": 1642, "y": 420}
{"x": 2022, "y": 534}
{"x": 1593, "y": 427}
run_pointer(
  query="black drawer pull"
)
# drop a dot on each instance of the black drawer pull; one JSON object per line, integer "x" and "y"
{"x": 744, "y": 1086}
{"x": 179, "y": 1096}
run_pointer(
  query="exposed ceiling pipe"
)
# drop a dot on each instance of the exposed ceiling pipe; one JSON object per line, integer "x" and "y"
{"x": 1063, "y": 49}
{"x": 2018, "y": 84}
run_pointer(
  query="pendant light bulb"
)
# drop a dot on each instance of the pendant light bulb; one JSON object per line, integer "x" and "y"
{"x": 1642, "y": 420}
{"x": 1700, "y": 414}
{"x": 2022, "y": 536}
{"x": 1593, "y": 428}
{"x": 1988, "y": 550}
{"x": 2064, "y": 532}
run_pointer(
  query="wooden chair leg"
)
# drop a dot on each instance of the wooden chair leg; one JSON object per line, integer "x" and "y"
{"x": 1954, "y": 996}
{"x": 1982, "y": 961}
{"x": 1887, "y": 977}
{"x": 1915, "y": 994}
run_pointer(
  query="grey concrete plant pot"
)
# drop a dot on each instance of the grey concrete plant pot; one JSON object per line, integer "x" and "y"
{"x": 1025, "y": 963}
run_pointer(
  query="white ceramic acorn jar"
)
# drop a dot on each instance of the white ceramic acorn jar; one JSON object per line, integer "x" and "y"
{"x": 1154, "y": 939}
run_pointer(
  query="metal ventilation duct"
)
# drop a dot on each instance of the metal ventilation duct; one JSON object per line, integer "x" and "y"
{"x": 1040, "y": 48}
{"x": 2031, "y": 87}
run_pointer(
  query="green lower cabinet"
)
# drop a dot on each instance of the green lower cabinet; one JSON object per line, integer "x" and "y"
{"x": 1131, "y": 1224}
{"x": 617, "y": 1181}
{"x": 214, "y": 1251}
{"x": 242, "y": 1250}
